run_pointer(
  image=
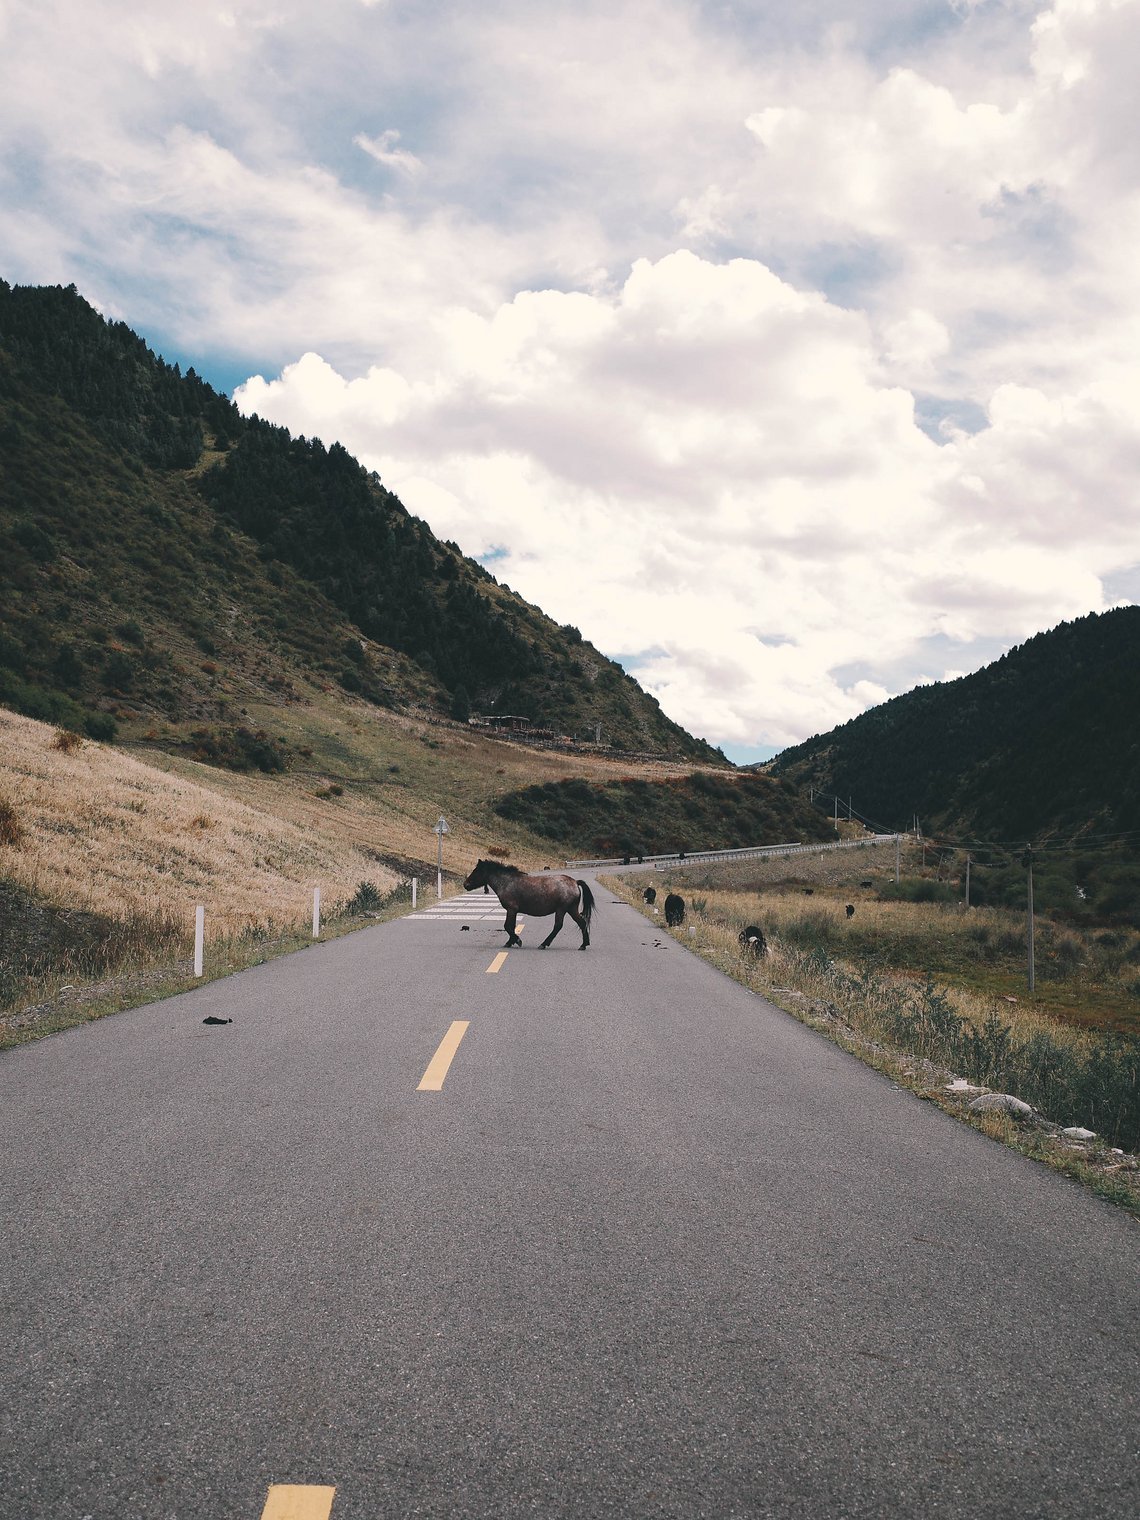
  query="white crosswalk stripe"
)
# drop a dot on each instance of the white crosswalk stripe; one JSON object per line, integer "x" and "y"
{"x": 473, "y": 908}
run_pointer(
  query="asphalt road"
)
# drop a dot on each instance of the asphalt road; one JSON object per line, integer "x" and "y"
{"x": 651, "y": 1249}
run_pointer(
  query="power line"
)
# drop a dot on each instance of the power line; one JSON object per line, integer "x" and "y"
{"x": 1085, "y": 844}
{"x": 1101, "y": 844}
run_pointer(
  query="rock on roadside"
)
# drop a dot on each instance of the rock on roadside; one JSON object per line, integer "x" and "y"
{"x": 1006, "y": 1103}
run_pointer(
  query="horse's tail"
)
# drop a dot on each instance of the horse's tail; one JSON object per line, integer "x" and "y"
{"x": 587, "y": 903}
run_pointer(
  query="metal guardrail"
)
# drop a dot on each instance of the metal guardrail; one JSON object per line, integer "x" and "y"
{"x": 748, "y": 852}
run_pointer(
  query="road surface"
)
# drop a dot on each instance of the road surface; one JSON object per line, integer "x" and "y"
{"x": 640, "y": 1245}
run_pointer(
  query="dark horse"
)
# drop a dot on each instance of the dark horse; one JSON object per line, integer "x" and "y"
{"x": 538, "y": 895}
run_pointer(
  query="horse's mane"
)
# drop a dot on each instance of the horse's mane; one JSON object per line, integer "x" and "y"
{"x": 501, "y": 865}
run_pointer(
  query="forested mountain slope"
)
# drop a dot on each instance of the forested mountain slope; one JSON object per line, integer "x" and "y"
{"x": 1044, "y": 743}
{"x": 145, "y": 524}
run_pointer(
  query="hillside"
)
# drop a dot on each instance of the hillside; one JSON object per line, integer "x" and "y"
{"x": 630, "y": 816}
{"x": 1044, "y": 744}
{"x": 165, "y": 561}
{"x": 268, "y": 662}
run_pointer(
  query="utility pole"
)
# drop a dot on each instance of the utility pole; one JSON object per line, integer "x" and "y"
{"x": 898, "y": 854}
{"x": 1027, "y": 861}
{"x": 967, "y": 878}
{"x": 836, "y": 820}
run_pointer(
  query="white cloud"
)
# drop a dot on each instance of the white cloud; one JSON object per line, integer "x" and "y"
{"x": 706, "y": 449}
{"x": 656, "y": 301}
{"x": 384, "y": 150}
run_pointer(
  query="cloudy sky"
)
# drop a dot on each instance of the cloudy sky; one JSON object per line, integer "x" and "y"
{"x": 790, "y": 350}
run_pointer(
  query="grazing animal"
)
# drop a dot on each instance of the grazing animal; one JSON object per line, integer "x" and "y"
{"x": 866, "y": 883}
{"x": 752, "y": 941}
{"x": 535, "y": 895}
{"x": 850, "y": 910}
{"x": 808, "y": 891}
{"x": 650, "y": 895}
{"x": 674, "y": 910}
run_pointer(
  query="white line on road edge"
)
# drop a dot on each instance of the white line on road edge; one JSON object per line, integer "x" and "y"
{"x": 298, "y": 1501}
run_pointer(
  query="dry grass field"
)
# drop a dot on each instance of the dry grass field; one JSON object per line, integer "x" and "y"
{"x": 116, "y": 831}
{"x": 104, "y": 831}
{"x": 139, "y": 834}
{"x": 921, "y": 990}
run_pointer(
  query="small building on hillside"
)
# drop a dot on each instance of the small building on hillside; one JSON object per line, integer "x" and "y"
{"x": 512, "y": 723}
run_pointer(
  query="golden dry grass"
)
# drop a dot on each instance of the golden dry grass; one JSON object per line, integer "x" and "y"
{"x": 852, "y": 1017}
{"x": 1082, "y": 983}
{"x": 722, "y": 915}
{"x": 99, "y": 827}
{"x": 104, "y": 831}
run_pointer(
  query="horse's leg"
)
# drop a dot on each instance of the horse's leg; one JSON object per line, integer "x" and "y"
{"x": 559, "y": 918}
{"x": 512, "y": 937}
{"x": 581, "y": 922}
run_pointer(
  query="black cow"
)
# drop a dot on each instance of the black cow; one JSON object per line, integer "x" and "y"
{"x": 866, "y": 883}
{"x": 674, "y": 910}
{"x": 752, "y": 941}
{"x": 650, "y": 895}
{"x": 808, "y": 891}
{"x": 850, "y": 910}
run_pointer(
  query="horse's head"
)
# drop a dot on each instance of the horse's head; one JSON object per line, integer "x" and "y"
{"x": 486, "y": 873}
{"x": 478, "y": 877}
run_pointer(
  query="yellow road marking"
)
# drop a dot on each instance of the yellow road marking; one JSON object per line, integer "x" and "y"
{"x": 298, "y": 1501}
{"x": 497, "y": 963}
{"x": 432, "y": 1079}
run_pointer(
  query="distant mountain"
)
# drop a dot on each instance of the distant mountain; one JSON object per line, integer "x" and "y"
{"x": 1042, "y": 744}
{"x": 162, "y": 556}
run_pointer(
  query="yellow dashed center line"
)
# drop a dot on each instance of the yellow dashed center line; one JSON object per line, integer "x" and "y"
{"x": 432, "y": 1079}
{"x": 298, "y": 1501}
{"x": 496, "y": 964}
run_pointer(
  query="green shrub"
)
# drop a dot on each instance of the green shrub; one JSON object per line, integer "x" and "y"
{"x": 1099, "y": 1088}
{"x": 366, "y": 899}
{"x": 239, "y": 749}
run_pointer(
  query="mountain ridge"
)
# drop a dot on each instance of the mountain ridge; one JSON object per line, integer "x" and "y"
{"x": 1043, "y": 743}
{"x": 223, "y": 511}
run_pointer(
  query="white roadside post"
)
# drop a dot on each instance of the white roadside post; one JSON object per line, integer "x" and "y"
{"x": 439, "y": 831}
{"x": 415, "y": 884}
{"x": 316, "y": 912}
{"x": 199, "y": 938}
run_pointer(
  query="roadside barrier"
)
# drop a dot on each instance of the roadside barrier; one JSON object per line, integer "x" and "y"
{"x": 748, "y": 852}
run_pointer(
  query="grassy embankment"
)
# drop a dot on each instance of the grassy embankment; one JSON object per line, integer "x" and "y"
{"x": 925, "y": 991}
{"x": 106, "y": 850}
